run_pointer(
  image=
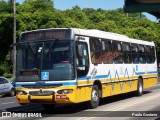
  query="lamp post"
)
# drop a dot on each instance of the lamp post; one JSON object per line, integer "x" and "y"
{"x": 14, "y": 38}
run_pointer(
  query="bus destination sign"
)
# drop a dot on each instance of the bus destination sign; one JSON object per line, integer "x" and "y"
{"x": 45, "y": 35}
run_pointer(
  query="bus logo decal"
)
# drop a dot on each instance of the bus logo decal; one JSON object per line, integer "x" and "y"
{"x": 45, "y": 75}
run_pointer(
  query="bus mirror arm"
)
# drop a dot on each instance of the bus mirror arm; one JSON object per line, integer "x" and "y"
{"x": 14, "y": 44}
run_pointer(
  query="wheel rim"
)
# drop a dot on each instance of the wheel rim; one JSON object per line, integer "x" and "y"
{"x": 140, "y": 87}
{"x": 12, "y": 92}
{"x": 95, "y": 96}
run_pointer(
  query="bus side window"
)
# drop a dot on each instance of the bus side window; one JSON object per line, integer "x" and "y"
{"x": 82, "y": 59}
{"x": 150, "y": 54}
{"x": 95, "y": 51}
{"x": 153, "y": 54}
{"x": 117, "y": 52}
{"x": 135, "y": 56}
{"x": 107, "y": 55}
{"x": 142, "y": 56}
{"x": 127, "y": 53}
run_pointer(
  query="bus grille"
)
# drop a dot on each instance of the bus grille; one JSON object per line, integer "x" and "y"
{"x": 41, "y": 93}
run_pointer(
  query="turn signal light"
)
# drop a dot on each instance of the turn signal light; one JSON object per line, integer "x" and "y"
{"x": 65, "y": 91}
{"x": 21, "y": 93}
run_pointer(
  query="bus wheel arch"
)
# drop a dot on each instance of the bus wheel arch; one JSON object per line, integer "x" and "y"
{"x": 139, "y": 91}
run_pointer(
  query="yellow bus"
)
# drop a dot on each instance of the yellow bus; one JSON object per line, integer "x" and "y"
{"x": 71, "y": 65}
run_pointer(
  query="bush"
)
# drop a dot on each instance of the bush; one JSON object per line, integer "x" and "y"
{"x": 2, "y": 70}
{"x": 7, "y": 75}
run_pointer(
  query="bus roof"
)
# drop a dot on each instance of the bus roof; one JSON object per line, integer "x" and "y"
{"x": 110, "y": 35}
{"x": 101, "y": 34}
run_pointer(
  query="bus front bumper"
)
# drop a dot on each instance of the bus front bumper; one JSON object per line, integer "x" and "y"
{"x": 49, "y": 99}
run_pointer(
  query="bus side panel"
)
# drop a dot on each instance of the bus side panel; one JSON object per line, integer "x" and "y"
{"x": 88, "y": 93}
{"x": 124, "y": 87}
{"x": 149, "y": 82}
{"x": 81, "y": 93}
{"x": 107, "y": 90}
{"x": 151, "y": 77}
{"x": 128, "y": 86}
{"x": 118, "y": 88}
{"x": 132, "y": 86}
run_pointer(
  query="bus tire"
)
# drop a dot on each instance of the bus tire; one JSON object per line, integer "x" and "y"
{"x": 95, "y": 97}
{"x": 139, "y": 87}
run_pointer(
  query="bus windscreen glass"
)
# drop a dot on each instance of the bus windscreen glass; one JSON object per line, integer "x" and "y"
{"x": 53, "y": 57}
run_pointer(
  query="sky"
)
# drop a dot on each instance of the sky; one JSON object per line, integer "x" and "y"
{"x": 103, "y": 4}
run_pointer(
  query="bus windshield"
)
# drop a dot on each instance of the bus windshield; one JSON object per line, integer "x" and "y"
{"x": 53, "y": 58}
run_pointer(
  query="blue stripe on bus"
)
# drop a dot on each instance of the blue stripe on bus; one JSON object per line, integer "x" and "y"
{"x": 139, "y": 73}
{"x": 101, "y": 76}
{"x": 84, "y": 78}
{"x": 96, "y": 77}
{"x": 152, "y": 72}
{"x": 106, "y": 76}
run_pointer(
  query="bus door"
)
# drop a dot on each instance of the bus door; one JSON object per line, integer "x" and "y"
{"x": 82, "y": 62}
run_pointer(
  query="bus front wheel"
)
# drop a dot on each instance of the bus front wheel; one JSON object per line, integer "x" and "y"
{"x": 95, "y": 97}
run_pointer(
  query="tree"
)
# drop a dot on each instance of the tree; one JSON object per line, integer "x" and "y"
{"x": 39, "y": 14}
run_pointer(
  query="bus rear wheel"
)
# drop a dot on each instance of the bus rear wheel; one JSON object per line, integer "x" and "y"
{"x": 95, "y": 97}
{"x": 139, "y": 87}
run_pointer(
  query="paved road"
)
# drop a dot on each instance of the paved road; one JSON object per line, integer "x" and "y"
{"x": 114, "y": 107}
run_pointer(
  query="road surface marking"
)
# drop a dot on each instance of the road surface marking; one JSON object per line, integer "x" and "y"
{"x": 7, "y": 103}
{"x": 120, "y": 107}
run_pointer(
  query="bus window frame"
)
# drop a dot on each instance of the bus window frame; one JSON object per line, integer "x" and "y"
{"x": 105, "y": 50}
{"x": 142, "y": 54}
{"x": 127, "y": 53}
{"x": 151, "y": 55}
{"x": 136, "y": 57}
{"x": 120, "y": 54}
{"x": 93, "y": 39}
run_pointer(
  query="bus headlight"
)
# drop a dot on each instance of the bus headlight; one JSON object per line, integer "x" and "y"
{"x": 21, "y": 92}
{"x": 65, "y": 91}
